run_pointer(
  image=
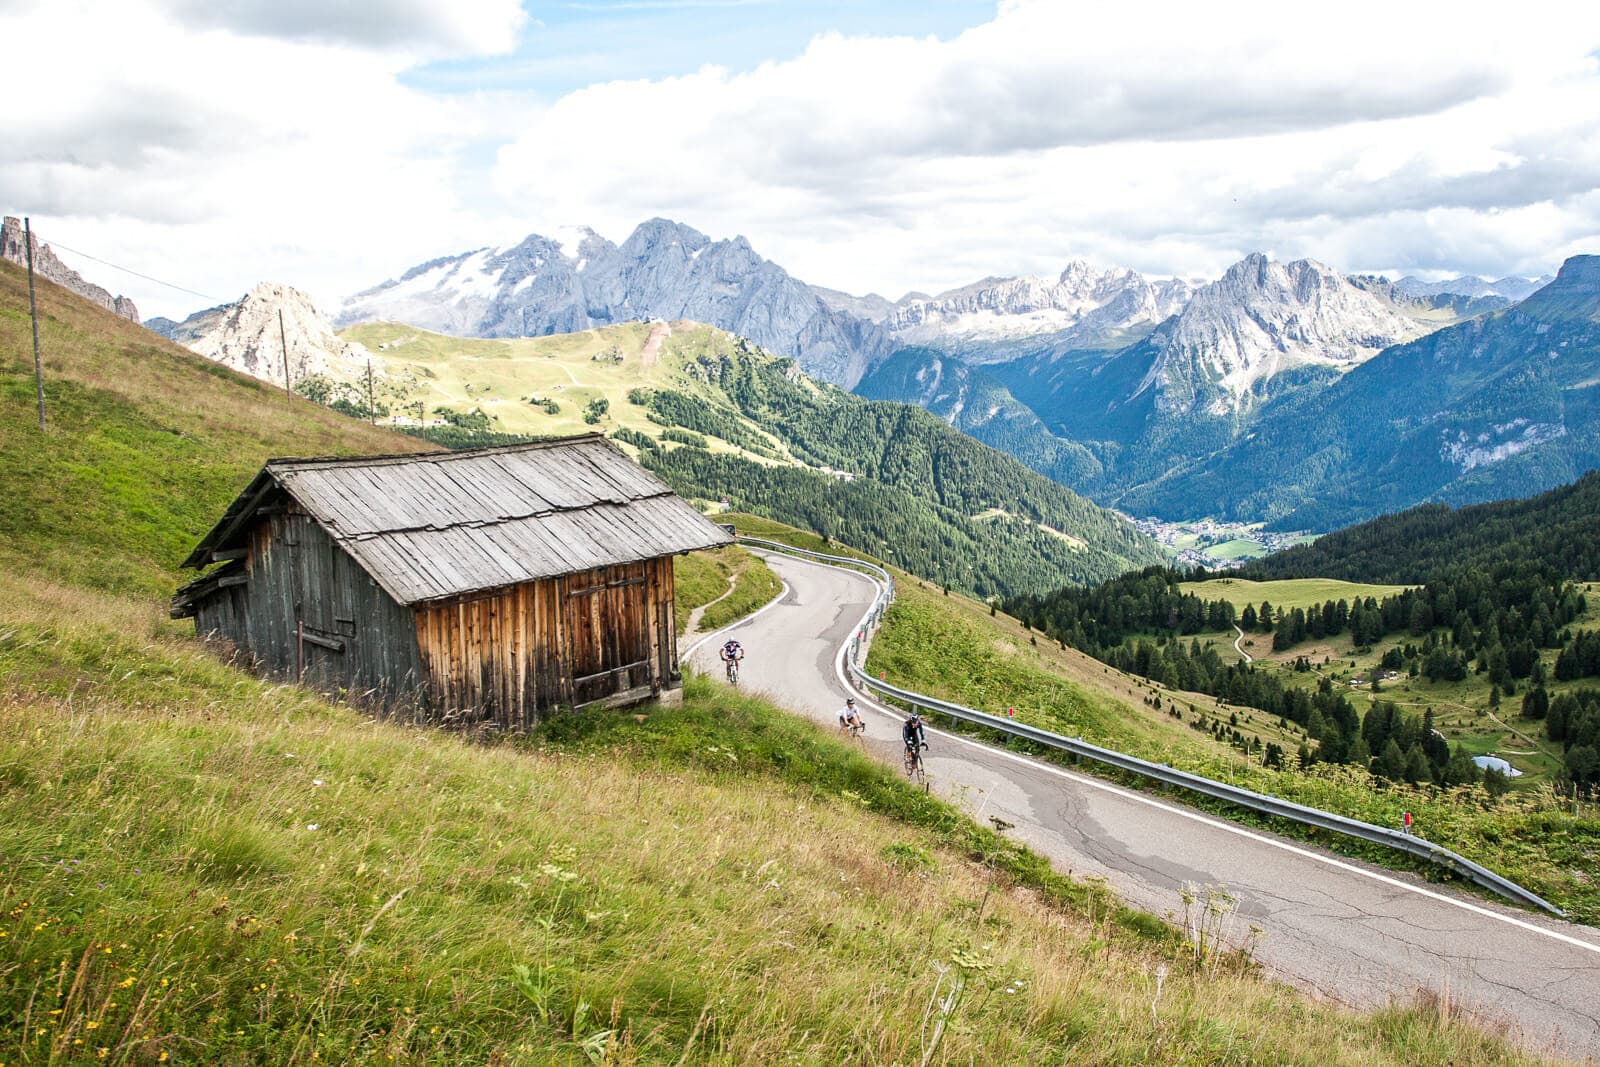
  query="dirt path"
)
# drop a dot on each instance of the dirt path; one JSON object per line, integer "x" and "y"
{"x": 1248, "y": 658}
{"x": 691, "y": 629}
{"x": 652, "y": 344}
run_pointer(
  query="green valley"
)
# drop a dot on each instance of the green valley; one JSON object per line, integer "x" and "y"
{"x": 718, "y": 418}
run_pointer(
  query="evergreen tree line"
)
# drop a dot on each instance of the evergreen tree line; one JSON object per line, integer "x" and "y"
{"x": 1501, "y": 618}
{"x": 1573, "y": 721}
{"x": 907, "y": 448}
{"x": 910, "y": 531}
{"x": 1554, "y": 532}
{"x": 1387, "y": 741}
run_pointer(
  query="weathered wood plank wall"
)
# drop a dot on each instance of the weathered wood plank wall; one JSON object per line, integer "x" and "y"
{"x": 510, "y": 656}
{"x": 358, "y": 640}
{"x": 506, "y": 657}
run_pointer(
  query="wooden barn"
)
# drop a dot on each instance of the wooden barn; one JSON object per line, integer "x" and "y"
{"x": 485, "y": 586}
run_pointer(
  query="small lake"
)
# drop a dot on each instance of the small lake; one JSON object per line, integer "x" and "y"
{"x": 1498, "y": 764}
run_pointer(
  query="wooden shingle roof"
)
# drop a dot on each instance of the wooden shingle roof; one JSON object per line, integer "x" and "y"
{"x": 438, "y": 525}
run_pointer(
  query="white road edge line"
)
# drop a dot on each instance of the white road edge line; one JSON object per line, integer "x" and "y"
{"x": 683, "y": 657}
{"x": 844, "y": 680}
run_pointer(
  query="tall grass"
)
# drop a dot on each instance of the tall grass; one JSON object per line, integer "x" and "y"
{"x": 200, "y": 867}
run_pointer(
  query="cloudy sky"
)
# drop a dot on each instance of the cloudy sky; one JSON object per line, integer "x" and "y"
{"x": 869, "y": 147}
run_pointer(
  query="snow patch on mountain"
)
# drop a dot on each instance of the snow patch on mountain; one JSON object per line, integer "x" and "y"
{"x": 1009, "y": 308}
{"x": 577, "y": 280}
{"x": 1512, "y": 288}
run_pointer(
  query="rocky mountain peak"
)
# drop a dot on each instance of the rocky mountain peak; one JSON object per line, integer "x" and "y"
{"x": 246, "y": 336}
{"x": 664, "y": 269}
{"x": 1079, "y": 308}
{"x": 1580, "y": 275}
{"x": 1262, "y": 318}
{"x": 46, "y": 264}
{"x": 1575, "y": 293}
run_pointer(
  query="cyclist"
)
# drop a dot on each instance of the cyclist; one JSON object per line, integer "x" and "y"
{"x": 731, "y": 654}
{"x": 915, "y": 739}
{"x": 850, "y": 718}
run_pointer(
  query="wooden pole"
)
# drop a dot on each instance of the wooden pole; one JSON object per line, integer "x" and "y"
{"x": 33, "y": 314}
{"x": 288, "y": 386}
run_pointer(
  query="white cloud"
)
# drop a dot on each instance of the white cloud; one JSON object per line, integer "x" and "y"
{"x": 219, "y": 142}
{"x": 214, "y": 158}
{"x": 1168, "y": 137}
{"x": 422, "y": 26}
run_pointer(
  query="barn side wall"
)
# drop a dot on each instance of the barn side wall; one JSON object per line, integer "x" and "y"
{"x": 357, "y": 638}
{"x": 511, "y": 656}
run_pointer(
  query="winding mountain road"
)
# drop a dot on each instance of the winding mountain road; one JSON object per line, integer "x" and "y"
{"x": 1339, "y": 927}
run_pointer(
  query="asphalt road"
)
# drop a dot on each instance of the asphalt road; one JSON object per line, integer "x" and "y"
{"x": 1338, "y": 927}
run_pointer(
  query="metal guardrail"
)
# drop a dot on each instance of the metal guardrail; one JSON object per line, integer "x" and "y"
{"x": 1261, "y": 802}
{"x": 1270, "y": 805}
{"x": 880, "y": 603}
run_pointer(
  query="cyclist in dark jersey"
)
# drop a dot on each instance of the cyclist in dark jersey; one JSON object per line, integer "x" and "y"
{"x": 912, "y": 733}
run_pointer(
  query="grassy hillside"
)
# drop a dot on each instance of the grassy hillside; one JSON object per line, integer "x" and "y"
{"x": 513, "y": 381}
{"x": 203, "y": 867}
{"x": 718, "y": 418}
{"x": 949, "y": 646}
{"x": 146, "y": 443}
{"x": 207, "y": 868}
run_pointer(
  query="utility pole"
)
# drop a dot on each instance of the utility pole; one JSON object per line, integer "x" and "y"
{"x": 33, "y": 314}
{"x": 288, "y": 386}
{"x": 372, "y": 409}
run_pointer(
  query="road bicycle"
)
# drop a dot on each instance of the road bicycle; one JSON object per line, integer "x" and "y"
{"x": 733, "y": 671}
{"x": 913, "y": 762}
{"x": 854, "y": 729}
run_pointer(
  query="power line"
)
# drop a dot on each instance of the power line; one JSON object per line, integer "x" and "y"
{"x": 136, "y": 274}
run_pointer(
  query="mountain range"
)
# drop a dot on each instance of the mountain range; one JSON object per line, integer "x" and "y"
{"x": 664, "y": 270}
{"x": 1174, "y": 397}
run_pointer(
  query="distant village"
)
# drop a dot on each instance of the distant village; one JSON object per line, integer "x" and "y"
{"x": 1216, "y": 545}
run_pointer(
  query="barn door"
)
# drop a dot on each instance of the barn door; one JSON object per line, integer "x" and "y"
{"x": 608, "y": 628}
{"x": 318, "y": 645}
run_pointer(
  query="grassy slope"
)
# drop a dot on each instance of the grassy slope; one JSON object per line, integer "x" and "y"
{"x": 220, "y": 870}
{"x": 1288, "y": 592}
{"x": 146, "y": 442}
{"x": 1002, "y": 666}
{"x": 729, "y": 583}
{"x": 204, "y": 867}
{"x": 498, "y": 376}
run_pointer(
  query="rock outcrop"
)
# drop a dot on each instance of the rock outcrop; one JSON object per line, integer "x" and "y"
{"x": 244, "y": 335}
{"x": 1261, "y": 319}
{"x": 46, "y": 264}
